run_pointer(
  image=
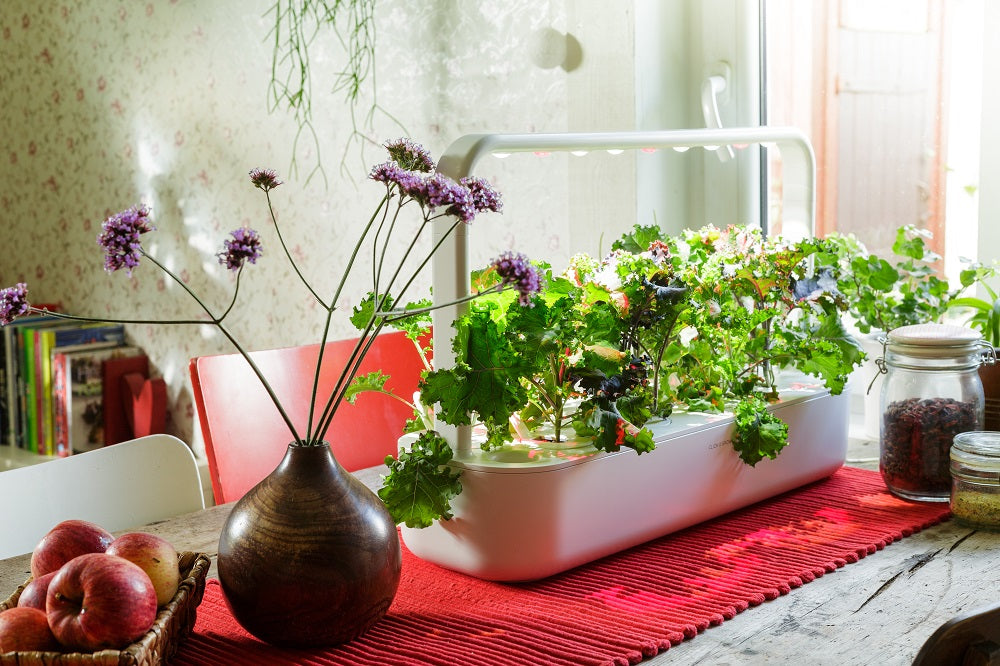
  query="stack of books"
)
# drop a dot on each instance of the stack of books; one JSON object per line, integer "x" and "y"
{"x": 60, "y": 385}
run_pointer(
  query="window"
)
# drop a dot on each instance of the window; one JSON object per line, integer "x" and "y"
{"x": 890, "y": 94}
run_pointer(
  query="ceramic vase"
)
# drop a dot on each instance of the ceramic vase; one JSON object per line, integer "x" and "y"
{"x": 309, "y": 556}
{"x": 990, "y": 376}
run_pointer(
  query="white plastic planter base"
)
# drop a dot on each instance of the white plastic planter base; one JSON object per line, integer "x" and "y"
{"x": 525, "y": 515}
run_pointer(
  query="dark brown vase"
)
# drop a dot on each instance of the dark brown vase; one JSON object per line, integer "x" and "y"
{"x": 990, "y": 376}
{"x": 309, "y": 556}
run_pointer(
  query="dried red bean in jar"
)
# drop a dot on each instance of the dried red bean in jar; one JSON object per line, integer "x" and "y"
{"x": 931, "y": 393}
{"x": 916, "y": 442}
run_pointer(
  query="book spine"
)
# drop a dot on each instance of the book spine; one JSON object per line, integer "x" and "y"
{"x": 4, "y": 406}
{"x": 46, "y": 441}
{"x": 10, "y": 361}
{"x": 61, "y": 406}
{"x": 29, "y": 410}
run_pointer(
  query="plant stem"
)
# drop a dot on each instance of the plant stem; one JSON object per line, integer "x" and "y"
{"x": 397, "y": 314}
{"x": 217, "y": 322}
{"x": 429, "y": 256}
{"x": 311, "y": 434}
{"x": 357, "y": 247}
{"x": 295, "y": 267}
{"x": 354, "y": 361}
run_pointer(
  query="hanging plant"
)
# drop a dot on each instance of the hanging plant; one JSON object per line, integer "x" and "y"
{"x": 297, "y": 26}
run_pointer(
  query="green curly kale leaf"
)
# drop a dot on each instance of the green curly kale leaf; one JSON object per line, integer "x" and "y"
{"x": 373, "y": 381}
{"x": 639, "y": 239}
{"x": 759, "y": 433}
{"x": 420, "y": 484}
{"x": 600, "y": 419}
{"x": 415, "y": 326}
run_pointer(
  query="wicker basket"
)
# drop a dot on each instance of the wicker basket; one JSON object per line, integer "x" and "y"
{"x": 173, "y": 624}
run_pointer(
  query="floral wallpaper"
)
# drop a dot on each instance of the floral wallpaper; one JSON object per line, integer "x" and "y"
{"x": 108, "y": 103}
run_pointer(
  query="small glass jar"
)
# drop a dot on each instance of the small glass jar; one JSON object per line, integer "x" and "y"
{"x": 931, "y": 393}
{"x": 975, "y": 473}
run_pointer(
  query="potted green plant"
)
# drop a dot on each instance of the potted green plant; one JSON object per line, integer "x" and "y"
{"x": 885, "y": 293}
{"x": 985, "y": 318}
{"x": 695, "y": 327}
{"x": 754, "y": 305}
{"x": 568, "y": 372}
{"x": 571, "y": 367}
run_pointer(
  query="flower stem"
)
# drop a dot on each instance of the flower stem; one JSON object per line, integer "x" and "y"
{"x": 317, "y": 434}
{"x": 217, "y": 322}
{"x": 350, "y": 368}
{"x": 397, "y": 314}
{"x": 319, "y": 365}
{"x": 427, "y": 259}
{"x": 357, "y": 249}
{"x": 281, "y": 239}
{"x": 100, "y": 320}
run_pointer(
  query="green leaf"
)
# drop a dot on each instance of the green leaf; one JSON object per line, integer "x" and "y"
{"x": 910, "y": 243}
{"x": 414, "y": 326}
{"x": 420, "y": 484}
{"x": 759, "y": 433}
{"x": 486, "y": 377}
{"x": 600, "y": 419}
{"x": 364, "y": 312}
{"x": 373, "y": 381}
{"x": 881, "y": 275}
{"x": 639, "y": 239}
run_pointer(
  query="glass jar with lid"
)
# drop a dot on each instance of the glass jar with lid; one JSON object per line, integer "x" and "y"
{"x": 975, "y": 473}
{"x": 931, "y": 393}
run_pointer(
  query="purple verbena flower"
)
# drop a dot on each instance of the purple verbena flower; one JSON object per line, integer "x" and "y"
{"x": 409, "y": 183}
{"x": 120, "y": 238}
{"x": 386, "y": 172}
{"x": 442, "y": 192}
{"x": 243, "y": 246}
{"x": 515, "y": 269}
{"x": 13, "y": 303}
{"x": 265, "y": 179}
{"x": 410, "y": 155}
{"x": 484, "y": 197}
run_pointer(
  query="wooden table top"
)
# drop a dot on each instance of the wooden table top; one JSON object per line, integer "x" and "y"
{"x": 879, "y": 610}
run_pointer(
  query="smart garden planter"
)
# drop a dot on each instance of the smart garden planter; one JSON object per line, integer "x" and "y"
{"x": 526, "y": 513}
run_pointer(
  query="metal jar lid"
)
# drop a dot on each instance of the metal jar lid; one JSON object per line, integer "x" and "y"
{"x": 975, "y": 457}
{"x": 933, "y": 340}
{"x": 981, "y": 446}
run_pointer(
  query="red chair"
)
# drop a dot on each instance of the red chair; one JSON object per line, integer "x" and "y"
{"x": 245, "y": 437}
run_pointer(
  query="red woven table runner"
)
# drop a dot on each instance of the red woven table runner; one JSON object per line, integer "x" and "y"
{"x": 617, "y": 610}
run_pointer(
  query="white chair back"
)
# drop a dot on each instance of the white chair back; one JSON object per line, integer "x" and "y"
{"x": 118, "y": 487}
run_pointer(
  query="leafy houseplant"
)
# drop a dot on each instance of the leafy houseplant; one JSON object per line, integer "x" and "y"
{"x": 754, "y": 304}
{"x": 697, "y": 322}
{"x": 562, "y": 366}
{"x": 985, "y": 311}
{"x": 309, "y": 516}
{"x": 985, "y": 318}
{"x": 882, "y": 295}
{"x": 571, "y": 368}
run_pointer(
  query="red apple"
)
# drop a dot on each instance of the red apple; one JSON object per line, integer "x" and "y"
{"x": 33, "y": 594}
{"x": 154, "y": 555}
{"x": 26, "y": 629}
{"x": 64, "y": 542}
{"x": 98, "y": 601}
